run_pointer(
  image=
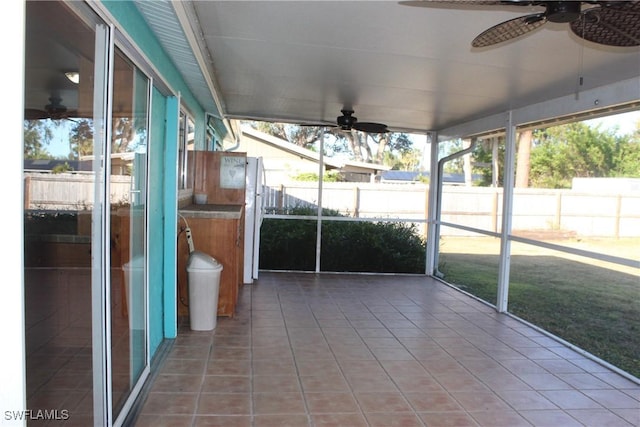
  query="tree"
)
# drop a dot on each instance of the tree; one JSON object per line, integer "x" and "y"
{"x": 523, "y": 165}
{"x": 124, "y": 133}
{"x": 81, "y": 138}
{"x": 302, "y": 136}
{"x": 561, "y": 153}
{"x": 37, "y": 134}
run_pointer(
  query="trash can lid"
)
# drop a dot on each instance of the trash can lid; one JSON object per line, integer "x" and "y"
{"x": 136, "y": 263}
{"x": 200, "y": 261}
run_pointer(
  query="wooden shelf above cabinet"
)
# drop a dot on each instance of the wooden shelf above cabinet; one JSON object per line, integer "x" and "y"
{"x": 221, "y": 176}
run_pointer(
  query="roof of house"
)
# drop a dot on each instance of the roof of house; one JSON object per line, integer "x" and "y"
{"x": 332, "y": 163}
{"x": 410, "y": 176}
{"x": 50, "y": 164}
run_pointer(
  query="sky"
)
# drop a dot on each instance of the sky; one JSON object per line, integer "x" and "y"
{"x": 626, "y": 122}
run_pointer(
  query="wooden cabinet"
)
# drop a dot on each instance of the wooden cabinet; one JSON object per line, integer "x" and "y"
{"x": 217, "y": 227}
{"x": 221, "y": 235}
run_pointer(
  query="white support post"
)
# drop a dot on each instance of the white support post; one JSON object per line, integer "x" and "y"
{"x": 319, "y": 214}
{"x": 432, "y": 235}
{"x": 507, "y": 212}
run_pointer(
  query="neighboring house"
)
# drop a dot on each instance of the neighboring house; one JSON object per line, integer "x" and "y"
{"x": 395, "y": 176}
{"x": 284, "y": 160}
{"x": 120, "y": 164}
{"x": 47, "y": 165}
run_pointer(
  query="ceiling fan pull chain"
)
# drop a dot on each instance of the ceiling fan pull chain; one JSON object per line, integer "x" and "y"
{"x": 581, "y": 62}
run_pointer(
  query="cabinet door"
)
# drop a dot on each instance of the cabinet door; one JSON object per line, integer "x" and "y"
{"x": 219, "y": 239}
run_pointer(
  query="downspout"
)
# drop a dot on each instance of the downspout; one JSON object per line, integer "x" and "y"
{"x": 230, "y": 129}
{"x": 440, "y": 171}
{"x": 237, "y": 144}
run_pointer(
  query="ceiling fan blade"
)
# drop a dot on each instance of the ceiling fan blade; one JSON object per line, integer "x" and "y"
{"x": 370, "y": 127}
{"x": 615, "y": 25}
{"x": 35, "y": 114}
{"x": 317, "y": 124}
{"x": 509, "y": 30}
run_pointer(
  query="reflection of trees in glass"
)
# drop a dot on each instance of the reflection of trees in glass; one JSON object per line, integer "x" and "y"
{"x": 37, "y": 135}
{"x": 123, "y": 134}
{"x": 81, "y": 138}
{"x": 129, "y": 134}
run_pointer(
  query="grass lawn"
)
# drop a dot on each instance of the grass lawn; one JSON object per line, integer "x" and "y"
{"x": 593, "y": 305}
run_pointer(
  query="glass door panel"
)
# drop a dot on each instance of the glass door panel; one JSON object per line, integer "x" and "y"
{"x": 58, "y": 204}
{"x": 128, "y": 196}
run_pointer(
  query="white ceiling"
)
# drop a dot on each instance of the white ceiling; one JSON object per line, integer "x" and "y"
{"x": 412, "y": 68}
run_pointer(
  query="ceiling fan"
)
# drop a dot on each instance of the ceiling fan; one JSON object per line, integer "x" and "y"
{"x": 55, "y": 110}
{"x": 611, "y": 23}
{"x": 347, "y": 121}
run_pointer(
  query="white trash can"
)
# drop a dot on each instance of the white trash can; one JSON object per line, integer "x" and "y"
{"x": 134, "y": 293}
{"x": 203, "y": 273}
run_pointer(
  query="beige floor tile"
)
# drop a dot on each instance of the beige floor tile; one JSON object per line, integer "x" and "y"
{"x": 219, "y": 421}
{"x": 170, "y": 403}
{"x": 383, "y": 402}
{"x": 339, "y": 420}
{"x": 224, "y": 404}
{"x": 502, "y": 418}
{"x": 287, "y": 420}
{"x": 331, "y": 402}
{"x": 324, "y": 383}
{"x": 163, "y": 420}
{"x": 275, "y": 383}
{"x": 432, "y": 401}
{"x": 393, "y": 420}
{"x": 448, "y": 419}
{"x": 226, "y": 384}
{"x": 177, "y": 383}
{"x": 548, "y": 418}
{"x": 278, "y": 403}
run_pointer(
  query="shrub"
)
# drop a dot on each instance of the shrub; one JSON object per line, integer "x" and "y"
{"x": 385, "y": 247}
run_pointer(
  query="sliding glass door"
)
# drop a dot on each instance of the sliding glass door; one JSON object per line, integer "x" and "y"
{"x": 128, "y": 200}
{"x": 86, "y": 138}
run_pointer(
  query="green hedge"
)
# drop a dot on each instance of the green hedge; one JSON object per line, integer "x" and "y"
{"x": 383, "y": 247}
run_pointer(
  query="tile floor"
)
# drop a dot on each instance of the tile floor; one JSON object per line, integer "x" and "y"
{"x": 356, "y": 350}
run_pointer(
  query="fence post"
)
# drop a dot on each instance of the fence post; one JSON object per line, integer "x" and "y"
{"x": 280, "y": 203}
{"x": 558, "y": 221}
{"x": 27, "y": 192}
{"x": 494, "y": 209}
{"x": 356, "y": 201}
{"x": 425, "y": 226}
{"x": 618, "y": 214}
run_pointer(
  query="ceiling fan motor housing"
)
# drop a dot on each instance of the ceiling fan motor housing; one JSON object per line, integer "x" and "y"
{"x": 563, "y": 11}
{"x": 55, "y": 106}
{"x": 347, "y": 120}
